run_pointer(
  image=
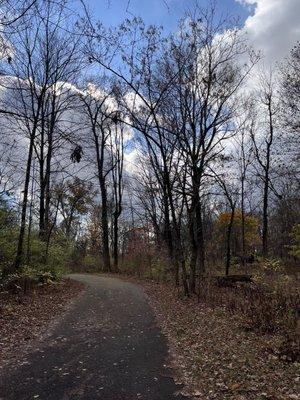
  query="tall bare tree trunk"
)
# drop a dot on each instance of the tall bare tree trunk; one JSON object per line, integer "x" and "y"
{"x": 228, "y": 241}
{"x": 265, "y": 232}
{"x": 104, "y": 206}
{"x": 30, "y": 217}
{"x": 200, "y": 240}
{"x": 193, "y": 260}
{"x": 104, "y": 224}
{"x": 19, "y": 253}
{"x": 116, "y": 242}
{"x": 243, "y": 221}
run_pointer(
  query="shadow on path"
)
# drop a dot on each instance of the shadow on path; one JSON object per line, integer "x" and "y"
{"x": 107, "y": 347}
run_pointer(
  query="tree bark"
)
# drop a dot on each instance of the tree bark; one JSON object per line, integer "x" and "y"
{"x": 228, "y": 242}
{"x": 19, "y": 254}
{"x": 104, "y": 223}
{"x": 104, "y": 208}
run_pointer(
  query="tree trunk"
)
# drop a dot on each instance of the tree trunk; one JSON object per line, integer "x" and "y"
{"x": 41, "y": 159}
{"x": 265, "y": 217}
{"x": 193, "y": 260}
{"x": 228, "y": 242}
{"x": 30, "y": 220}
{"x": 103, "y": 192}
{"x": 167, "y": 234}
{"x": 47, "y": 226}
{"x": 50, "y": 136}
{"x": 243, "y": 221}
{"x": 42, "y": 209}
{"x": 200, "y": 240}
{"x": 199, "y": 236}
{"x": 266, "y": 181}
{"x": 104, "y": 223}
{"x": 177, "y": 249}
{"x": 116, "y": 241}
{"x": 19, "y": 254}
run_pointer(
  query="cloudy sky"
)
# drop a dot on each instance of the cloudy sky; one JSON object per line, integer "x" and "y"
{"x": 273, "y": 26}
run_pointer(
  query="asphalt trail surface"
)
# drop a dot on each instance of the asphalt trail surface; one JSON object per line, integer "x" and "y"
{"x": 108, "y": 346}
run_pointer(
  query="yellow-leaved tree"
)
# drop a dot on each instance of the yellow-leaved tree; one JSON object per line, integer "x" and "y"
{"x": 247, "y": 227}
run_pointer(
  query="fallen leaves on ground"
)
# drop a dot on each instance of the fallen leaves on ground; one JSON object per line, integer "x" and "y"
{"x": 25, "y": 317}
{"x": 214, "y": 357}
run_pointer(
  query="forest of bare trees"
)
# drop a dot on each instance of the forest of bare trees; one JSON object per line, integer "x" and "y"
{"x": 149, "y": 177}
{"x": 125, "y": 149}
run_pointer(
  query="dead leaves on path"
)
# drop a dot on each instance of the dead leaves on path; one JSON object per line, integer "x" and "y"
{"x": 25, "y": 318}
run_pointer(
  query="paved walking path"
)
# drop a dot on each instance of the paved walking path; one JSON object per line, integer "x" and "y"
{"x": 106, "y": 347}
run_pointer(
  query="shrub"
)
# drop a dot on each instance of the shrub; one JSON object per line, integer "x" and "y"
{"x": 271, "y": 267}
{"x": 294, "y": 249}
{"x": 270, "y": 312}
{"x": 271, "y": 308}
{"x": 91, "y": 263}
{"x": 29, "y": 277}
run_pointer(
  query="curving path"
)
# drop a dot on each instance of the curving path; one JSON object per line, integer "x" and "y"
{"x": 106, "y": 347}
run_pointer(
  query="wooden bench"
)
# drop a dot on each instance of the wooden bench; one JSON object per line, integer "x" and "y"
{"x": 231, "y": 280}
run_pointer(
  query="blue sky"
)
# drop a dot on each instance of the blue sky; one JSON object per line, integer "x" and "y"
{"x": 160, "y": 12}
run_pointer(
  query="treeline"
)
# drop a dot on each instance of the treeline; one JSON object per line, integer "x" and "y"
{"x": 128, "y": 149}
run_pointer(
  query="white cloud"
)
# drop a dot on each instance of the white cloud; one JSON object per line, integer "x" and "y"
{"x": 246, "y": 2}
{"x": 274, "y": 27}
{"x": 131, "y": 161}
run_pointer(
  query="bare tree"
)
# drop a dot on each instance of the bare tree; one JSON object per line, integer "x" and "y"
{"x": 45, "y": 62}
{"x": 13, "y": 11}
{"x": 185, "y": 97}
{"x": 263, "y": 142}
{"x": 243, "y": 158}
{"x": 117, "y": 161}
{"x": 227, "y": 184}
{"x": 202, "y": 103}
{"x": 100, "y": 114}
